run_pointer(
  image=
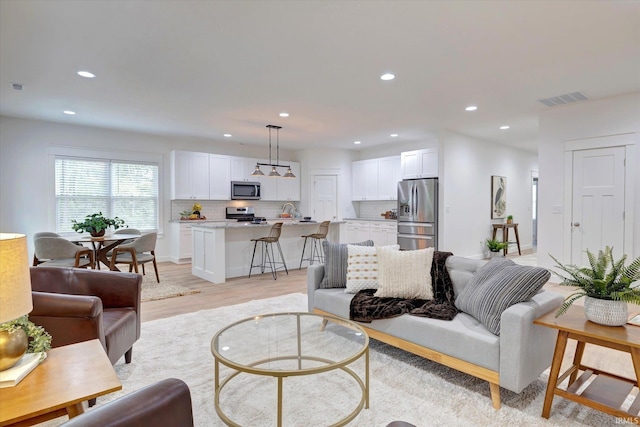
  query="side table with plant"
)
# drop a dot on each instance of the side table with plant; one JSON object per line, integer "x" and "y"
{"x": 96, "y": 224}
{"x": 606, "y": 284}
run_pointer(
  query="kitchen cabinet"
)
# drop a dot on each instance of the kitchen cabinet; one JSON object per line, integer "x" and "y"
{"x": 242, "y": 167}
{"x": 289, "y": 188}
{"x": 375, "y": 179}
{"x": 419, "y": 163}
{"x": 182, "y": 242}
{"x": 189, "y": 175}
{"x": 388, "y": 177}
{"x": 219, "y": 177}
{"x": 382, "y": 233}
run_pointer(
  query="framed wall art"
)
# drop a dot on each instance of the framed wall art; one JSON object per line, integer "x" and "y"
{"x": 498, "y": 196}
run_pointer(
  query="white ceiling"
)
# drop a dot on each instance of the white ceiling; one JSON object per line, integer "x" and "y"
{"x": 204, "y": 68}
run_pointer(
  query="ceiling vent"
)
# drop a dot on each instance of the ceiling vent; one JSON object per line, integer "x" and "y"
{"x": 17, "y": 86}
{"x": 564, "y": 99}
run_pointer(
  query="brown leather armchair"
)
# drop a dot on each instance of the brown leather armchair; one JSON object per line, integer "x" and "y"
{"x": 76, "y": 305}
{"x": 165, "y": 403}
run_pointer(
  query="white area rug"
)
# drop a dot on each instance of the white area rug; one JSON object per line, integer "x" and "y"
{"x": 152, "y": 290}
{"x": 403, "y": 386}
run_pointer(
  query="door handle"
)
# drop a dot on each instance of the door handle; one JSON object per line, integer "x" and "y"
{"x": 576, "y": 224}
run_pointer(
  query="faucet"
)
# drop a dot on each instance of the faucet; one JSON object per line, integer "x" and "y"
{"x": 291, "y": 205}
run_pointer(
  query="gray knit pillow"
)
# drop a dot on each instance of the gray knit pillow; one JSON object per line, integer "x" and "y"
{"x": 498, "y": 285}
{"x": 336, "y": 256}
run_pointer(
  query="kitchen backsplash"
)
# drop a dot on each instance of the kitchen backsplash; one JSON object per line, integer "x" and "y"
{"x": 373, "y": 209}
{"x": 215, "y": 210}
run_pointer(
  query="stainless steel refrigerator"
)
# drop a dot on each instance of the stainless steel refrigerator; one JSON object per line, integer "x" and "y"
{"x": 418, "y": 213}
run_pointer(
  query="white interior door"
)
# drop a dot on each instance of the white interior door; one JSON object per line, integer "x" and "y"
{"x": 325, "y": 197}
{"x": 598, "y": 202}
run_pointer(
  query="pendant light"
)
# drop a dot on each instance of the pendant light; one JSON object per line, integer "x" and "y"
{"x": 274, "y": 171}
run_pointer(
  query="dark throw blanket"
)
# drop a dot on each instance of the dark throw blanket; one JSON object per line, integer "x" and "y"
{"x": 365, "y": 307}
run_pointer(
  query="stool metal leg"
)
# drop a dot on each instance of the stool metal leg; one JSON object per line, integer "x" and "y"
{"x": 255, "y": 245}
{"x": 302, "y": 258}
{"x": 282, "y": 258}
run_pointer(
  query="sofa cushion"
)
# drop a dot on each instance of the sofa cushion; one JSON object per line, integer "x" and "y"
{"x": 498, "y": 285}
{"x": 405, "y": 274}
{"x": 335, "y": 263}
{"x": 362, "y": 267}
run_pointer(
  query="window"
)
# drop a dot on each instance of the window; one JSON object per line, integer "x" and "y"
{"x": 128, "y": 190}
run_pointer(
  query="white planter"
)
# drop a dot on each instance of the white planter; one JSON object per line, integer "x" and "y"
{"x": 606, "y": 312}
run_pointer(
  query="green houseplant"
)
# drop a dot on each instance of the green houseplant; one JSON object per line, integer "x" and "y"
{"x": 96, "y": 224}
{"x": 509, "y": 219}
{"x": 605, "y": 282}
{"x": 495, "y": 245}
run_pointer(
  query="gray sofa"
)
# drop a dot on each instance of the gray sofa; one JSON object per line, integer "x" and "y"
{"x": 511, "y": 360}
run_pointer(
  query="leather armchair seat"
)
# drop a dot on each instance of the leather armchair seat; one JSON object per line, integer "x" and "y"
{"x": 76, "y": 305}
{"x": 165, "y": 403}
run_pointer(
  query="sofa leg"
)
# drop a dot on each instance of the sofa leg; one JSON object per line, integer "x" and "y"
{"x": 92, "y": 402}
{"x": 495, "y": 395}
{"x": 127, "y": 355}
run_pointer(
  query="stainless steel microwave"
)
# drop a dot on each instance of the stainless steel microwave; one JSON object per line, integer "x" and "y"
{"x": 245, "y": 190}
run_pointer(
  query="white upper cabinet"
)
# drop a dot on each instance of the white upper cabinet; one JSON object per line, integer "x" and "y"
{"x": 242, "y": 167}
{"x": 219, "y": 177}
{"x": 388, "y": 177}
{"x": 420, "y": 164}
{"x": 189, "y": 175}
{"x": 289, "y": 188}
{"x": 375, "y": 179}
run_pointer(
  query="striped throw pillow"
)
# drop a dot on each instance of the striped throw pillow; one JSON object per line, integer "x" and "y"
{"x": 335, "y": 263}
{"x": 498, "y": 285}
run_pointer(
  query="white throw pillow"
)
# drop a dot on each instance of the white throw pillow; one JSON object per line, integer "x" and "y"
{"x": 362, "y": 267}
{"x": 405, "y": 274}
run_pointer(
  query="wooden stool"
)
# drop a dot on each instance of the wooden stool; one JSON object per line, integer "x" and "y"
{"x": 505, "y": 235}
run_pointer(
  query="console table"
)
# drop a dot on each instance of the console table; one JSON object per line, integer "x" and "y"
{"x": 505, "y": 235}
{"x": 607, "y": 392}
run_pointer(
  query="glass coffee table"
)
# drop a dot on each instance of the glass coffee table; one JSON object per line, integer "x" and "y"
{"x": 283, "y": 345}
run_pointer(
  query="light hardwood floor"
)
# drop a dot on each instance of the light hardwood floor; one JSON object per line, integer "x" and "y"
{"x": 243, "y": 289}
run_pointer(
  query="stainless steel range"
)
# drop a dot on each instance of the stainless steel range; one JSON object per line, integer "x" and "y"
{"x": 242, "y": 214}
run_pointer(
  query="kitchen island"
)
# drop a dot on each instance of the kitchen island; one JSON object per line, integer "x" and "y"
{"x": 223, "y": 249}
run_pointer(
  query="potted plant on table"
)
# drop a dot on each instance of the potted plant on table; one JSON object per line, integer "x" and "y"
{"x": 39, "y": 340}
{"x": 509, "y": 219}
{"x": 606, "y": 284}
{"x": 96, "y": 224}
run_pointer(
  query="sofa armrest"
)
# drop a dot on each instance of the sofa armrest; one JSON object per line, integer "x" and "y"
{"x": 315, "y": 273}
{"x": 68, "y": 318}
{"x": 526, "y": 349}
{"x": 165, "y": 403}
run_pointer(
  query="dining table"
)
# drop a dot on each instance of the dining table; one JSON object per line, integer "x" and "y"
{"x": 102, "y": 245}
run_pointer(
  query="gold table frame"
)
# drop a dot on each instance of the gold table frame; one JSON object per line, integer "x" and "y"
{"x": 330, "y": 365}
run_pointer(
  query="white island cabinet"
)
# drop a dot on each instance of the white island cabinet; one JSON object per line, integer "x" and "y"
{"x": 224, "y": 249}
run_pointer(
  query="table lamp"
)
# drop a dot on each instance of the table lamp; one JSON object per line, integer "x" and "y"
{"x": 15, "y": 295}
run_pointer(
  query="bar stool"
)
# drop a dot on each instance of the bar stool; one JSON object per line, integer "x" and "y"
{"x": 268, "y": 258}
{"x": 316, "y": 247}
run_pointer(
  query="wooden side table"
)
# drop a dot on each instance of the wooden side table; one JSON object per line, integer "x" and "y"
{"x": 68, "y": 376}
{"x": 505, "y": 235}
{"x": 607, "y": 392}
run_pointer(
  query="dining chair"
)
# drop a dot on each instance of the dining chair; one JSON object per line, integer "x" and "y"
{"x": 59, "y": 252}
{"x": 138, "y": 252}
{"x": 37, "y": 261}
{"x": 125, "y": 231}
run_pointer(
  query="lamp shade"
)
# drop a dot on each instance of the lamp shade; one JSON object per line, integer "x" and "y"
{"x": 15, "y": 279}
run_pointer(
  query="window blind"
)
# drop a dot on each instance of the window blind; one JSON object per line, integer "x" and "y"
{"x": 128, "y": 190}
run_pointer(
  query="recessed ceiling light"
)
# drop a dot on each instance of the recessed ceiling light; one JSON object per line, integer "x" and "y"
{"x": 86, "y": 74}
{"x": 227, "y": 135}
{"x": 69, "y": 112}
{"x": 393, "y": 135}
{"x": 284, "y": 114}
{"x": 357, "y": 142}
{"x": 387, "y": 76}
{"x": 471, "y": 108}
{"x": 504, "y": 127}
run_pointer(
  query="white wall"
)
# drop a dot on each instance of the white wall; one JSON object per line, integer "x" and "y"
{"x": 26, "y": 172}
{"x": 611, "y": 116}
{"x": 465, "y": 192}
